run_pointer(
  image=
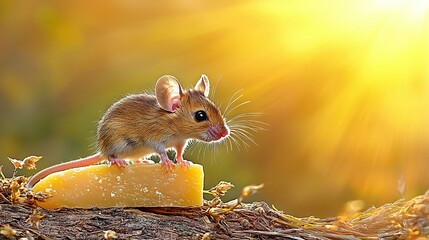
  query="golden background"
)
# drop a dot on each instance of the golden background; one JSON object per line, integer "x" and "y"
{"x": 342, "y": 85}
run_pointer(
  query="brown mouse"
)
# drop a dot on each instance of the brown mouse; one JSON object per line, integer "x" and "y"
{"x": 143, "y": 124}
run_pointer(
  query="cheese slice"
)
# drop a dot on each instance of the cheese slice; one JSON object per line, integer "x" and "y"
{"x": 135, "y": 185}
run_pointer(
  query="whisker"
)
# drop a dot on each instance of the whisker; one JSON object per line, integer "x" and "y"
{"x": 240, "y": 136}
{"x": 192, "y": 145}
{"x": 240, "y": 132}
{"x": 214, "y": 153}
{"x": 232, "y": 109}
{"x": 245, "y": 129}
{"x": 234, "y": 140}
{"x": 199, "y": 151}
{"x": 244, "y": 115}
{"x": 210, "y": 149}
{"x": 215, "y": 88}
{"x": 249, "y": 121}
{"x": 230, "y": 143}
{"x": 233, "y": 99}
{"x": 245, "y": 134}
{"x": 225, "y": 143}
{"x": 228, "y": 140}
{"x": 242, "y": 120}
{"x": 249, "y": 126}
{"x": 204, "y": 152}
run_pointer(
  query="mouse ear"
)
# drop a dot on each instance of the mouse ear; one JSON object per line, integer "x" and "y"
{"x": 168, "y": 92}
{"x": 203, "y": 85}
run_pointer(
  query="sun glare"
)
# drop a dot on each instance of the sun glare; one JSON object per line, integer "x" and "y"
{"x": 378, "y": 114}
{"x": 410, "y": 9}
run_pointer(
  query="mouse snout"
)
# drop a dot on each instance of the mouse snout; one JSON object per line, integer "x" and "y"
{"x": 217, "y": 132}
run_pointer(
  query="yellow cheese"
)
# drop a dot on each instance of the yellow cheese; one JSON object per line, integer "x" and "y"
{"x": 136, "y": 185}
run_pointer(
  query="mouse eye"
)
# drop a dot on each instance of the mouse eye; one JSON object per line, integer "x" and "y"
{"x": 200, "y": 116}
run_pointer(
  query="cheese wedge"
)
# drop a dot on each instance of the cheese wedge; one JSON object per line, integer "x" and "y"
{"x": 135, "y": 185}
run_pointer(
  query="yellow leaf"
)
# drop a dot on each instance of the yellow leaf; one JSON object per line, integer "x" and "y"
{"x": 34, "y": 218}
{"x": 8, "y": 231}
{"x": 250, "y": 190}
{"x": 221, "y": 188}
{"x": 30, "y": 162}
{"x": 16, "y": 163}
{"x": 109, "y": 234}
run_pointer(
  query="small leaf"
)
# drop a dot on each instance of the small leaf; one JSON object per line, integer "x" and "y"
{"x": 221, "y": 188}
{"x": 206, "y": 236}
{"x": 30, "y": 162}
{"x": 15, "y": 190}
{"x": 109, "y": 234}
{"x": 214, "y": 202}
{"x": 14, "y": 185}
{"x": 214, "y": 212}
{"x": 16, "y": 163}
{"x": 250, "y": 190}
{"x": 1, "y": 172}
{"x": 35, "y": 217}
{"x": 8, "y": 231}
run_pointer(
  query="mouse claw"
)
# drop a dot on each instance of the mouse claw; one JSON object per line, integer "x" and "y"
{"x": 184, "y": 163}
{"x": 168, "y": 164}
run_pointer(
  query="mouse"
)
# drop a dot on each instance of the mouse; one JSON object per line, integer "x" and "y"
{"x": 139, "y": 125}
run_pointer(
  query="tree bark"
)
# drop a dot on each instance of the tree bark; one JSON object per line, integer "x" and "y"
{"x": 249, "y": 221}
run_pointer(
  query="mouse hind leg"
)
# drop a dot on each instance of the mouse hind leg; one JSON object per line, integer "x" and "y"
{"x": 113, "y": 160}
{"x": 120, "y": 150}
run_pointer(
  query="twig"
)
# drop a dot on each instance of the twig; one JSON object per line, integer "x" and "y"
{"x": 38, "y": 234}
{"x": 4, "y": 198}
{"x": 274, "y": 234}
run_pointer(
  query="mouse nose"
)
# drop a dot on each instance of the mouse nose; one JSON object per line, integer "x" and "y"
{"x": 224, "y": 132}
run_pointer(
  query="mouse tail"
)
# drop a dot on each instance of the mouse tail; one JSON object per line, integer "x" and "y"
{"x": 90, "y": 160}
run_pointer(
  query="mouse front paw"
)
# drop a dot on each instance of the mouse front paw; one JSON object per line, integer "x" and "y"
{"x": 168, "y": 164}
{"x": 186, "y": 163}
{"x": 183, "y": 162}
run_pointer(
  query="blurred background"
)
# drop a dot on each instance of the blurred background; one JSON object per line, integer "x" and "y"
{"x": 342, "y": 85}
